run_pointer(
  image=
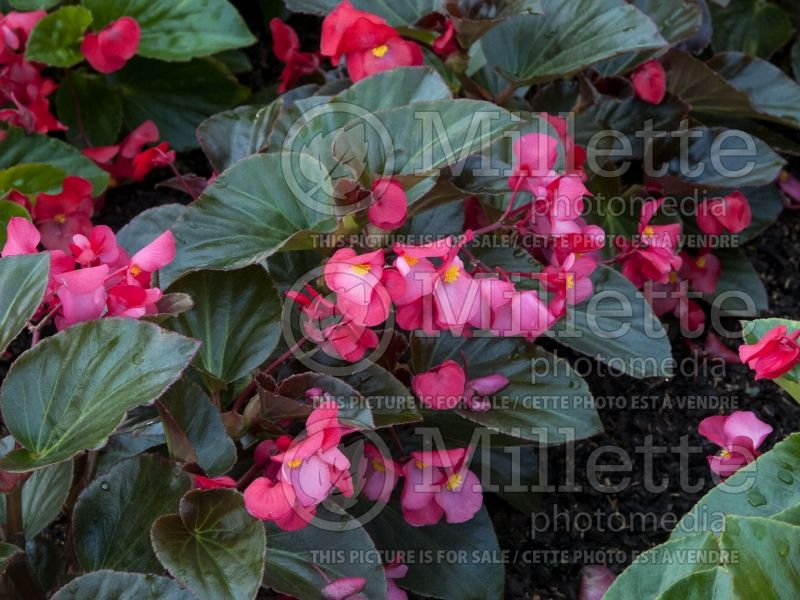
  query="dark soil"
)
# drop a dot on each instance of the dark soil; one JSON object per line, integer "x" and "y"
{"x": 609, "y": 528}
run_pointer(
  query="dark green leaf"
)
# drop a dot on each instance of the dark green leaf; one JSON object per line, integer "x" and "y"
{"x": 177, "y": 96}
{"x": 658, "y": 569}
{"x": 197, "y": 417}
{"x": 23, "y": 280}
{"x": 537, "y": 48}
{"x": 77, "y": 99}
{"x": 386, "y": 395}
{"x": 31, "y": 178}
{"x": 248, "y": 214}
{"x": 177, "y": 30}
{"x": 20, "y": 148}
{"x": 543, "y": 391}
{"x": 761, "y": 489}
{"x": 231, "y": 135}
{"x": 7, "y": 552}
{"x": 739, "y": 278}
{"x": 450, "y": 580}
{"x": 69, "y": 391}
{"x": 618, "y": 326}
{"x": 236, "y": 316}
{"x": 43, "y": 495}
{"x": 767, "y": 557}
{"x": 711, "y": 584}
{"x": 33, "y": 4}
{"x": 56, "y": 39}
{"x": 110, "y": 585}
{"x": 290, "y": 557}
{"x": 473, "y": 18}
{"x": 751, "y": 26}
{"x": 213, "y": 546}
{"x": 113, "y": 515}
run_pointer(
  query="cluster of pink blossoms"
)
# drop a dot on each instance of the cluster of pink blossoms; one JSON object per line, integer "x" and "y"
{"x": 95, "y": 277}
{"x": 445, "y": 387}
{"x": 299, "y": 473}
{"x": 653, "y": 264}
{"x": 23, "y": 89}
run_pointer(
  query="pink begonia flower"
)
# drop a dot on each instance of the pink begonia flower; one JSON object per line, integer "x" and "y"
{"x": 524, "y": 315}
{"x": 394, "y": 571}
{"x": 147, "y": 160}
{"x": 575, "y": 153}
{"x": 664, "y": 297}
{"x": 702, "y": 272}
{"x": 99, "y": 248}
{"x": 456, "y": 295}
{"x": 109, "y": 50}
{"x": 446, "y": 44}
{"x": 15, "y": 28}
{"x": 379, "y": 473}
{"x": 118, "y": 159}
{"x": 310, "y": 467}
{"x": 569, "y": 282}
{"x": 477, "y": 392}
{"x": 286, "y": 46}
{"x": 650, "y": 82}
{"x": 344, "y": 588}
{"x": 774, "y": 355}
{"x": 82, "y": 295}
{"x": 356, "y": 278}
{"x": 211, "y": 483}
{"x": 441, "y": 388}
{"x": 438, "y": 483}
{"x": 716, "y": 348}
{"x": 154, "y": 256}
{"x": 657, "y": 236}
{"x": 22, "y": 84}
{"x": 337, "y": 335}
{"x": 132, "y": 301}
{"x": 61, "y": 216}
{"x": 536, "y": 155}
{"x": 595, "y": 581}
{"x": 23, "y": 238}
{"x": 731, "y": 213}
{"x": 641, "y": 265}
{"x": 739, "y": 435}
{"x": 389, "y": 208}
{"x": 790, "y": 186}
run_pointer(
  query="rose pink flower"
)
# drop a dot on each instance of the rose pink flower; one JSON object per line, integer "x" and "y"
{"x": 477, "y": 392}
{"x": 147, "y": 160}
{"x": 286, "y": 46}
{"x": 774, "y": 355}
{"x": 344, "y": 588}
{"x": 61, "y": 216}
{"x": 357, "y": 280}
{"x": 524, "y": 315}
{"x": 118, "y": 159}
{"x": 154, "y": 256}
{"x": 441, "y": 388}
{"x": 15, "y": 28}
{"x": 739, "y": 435}
{"x": 394, "y": 571}
{"x": 380, "y": 474}
{"x": 438, "y": 483}
{"x": 23, "y": 238}
{"x": 731, "y": 213}
{"x": 595, "y": 581}
{"x": 701, "y": 272}
{"x": 790, "y": 186}
{"x": 650, "y": 82}
{"x": 390, "y": 205}
{"x": 82, "y": 294}
{"x": 109, "y": 50}
{"x": 99, "y": 248}
{"x": 641, "y": 265}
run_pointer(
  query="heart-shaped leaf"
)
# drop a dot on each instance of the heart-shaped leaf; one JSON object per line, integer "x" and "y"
{"x": 177, "y": 30}
{"x": 750, "y": 26}
{"x": 213, "y": 546}
{"x": 113, "y": 515}
{"x": 248, "y": 214}
{"x": 177, "y": 96}
{"x": 69, "y": 391}
{"x": 537, "y": 48}
{"x": 236, "y": 316}
{"x": 23, "y": 280}
{"x": 229, "y": 136}
{"x": 55, "y": 40}
{"x": 111, "y": 585}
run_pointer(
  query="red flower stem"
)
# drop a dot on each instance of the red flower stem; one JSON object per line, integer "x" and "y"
{"x": 180, "y": 178}
{"x": 36, "y": 330}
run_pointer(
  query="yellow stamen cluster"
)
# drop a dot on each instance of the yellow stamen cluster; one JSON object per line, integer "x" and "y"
{"x": 454, "y": 482}
{"x": 361, "y": 269}
{"x": 294, "y": 463}
{"x": 380, "y": 51}
{"x": 451, "y": 274}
